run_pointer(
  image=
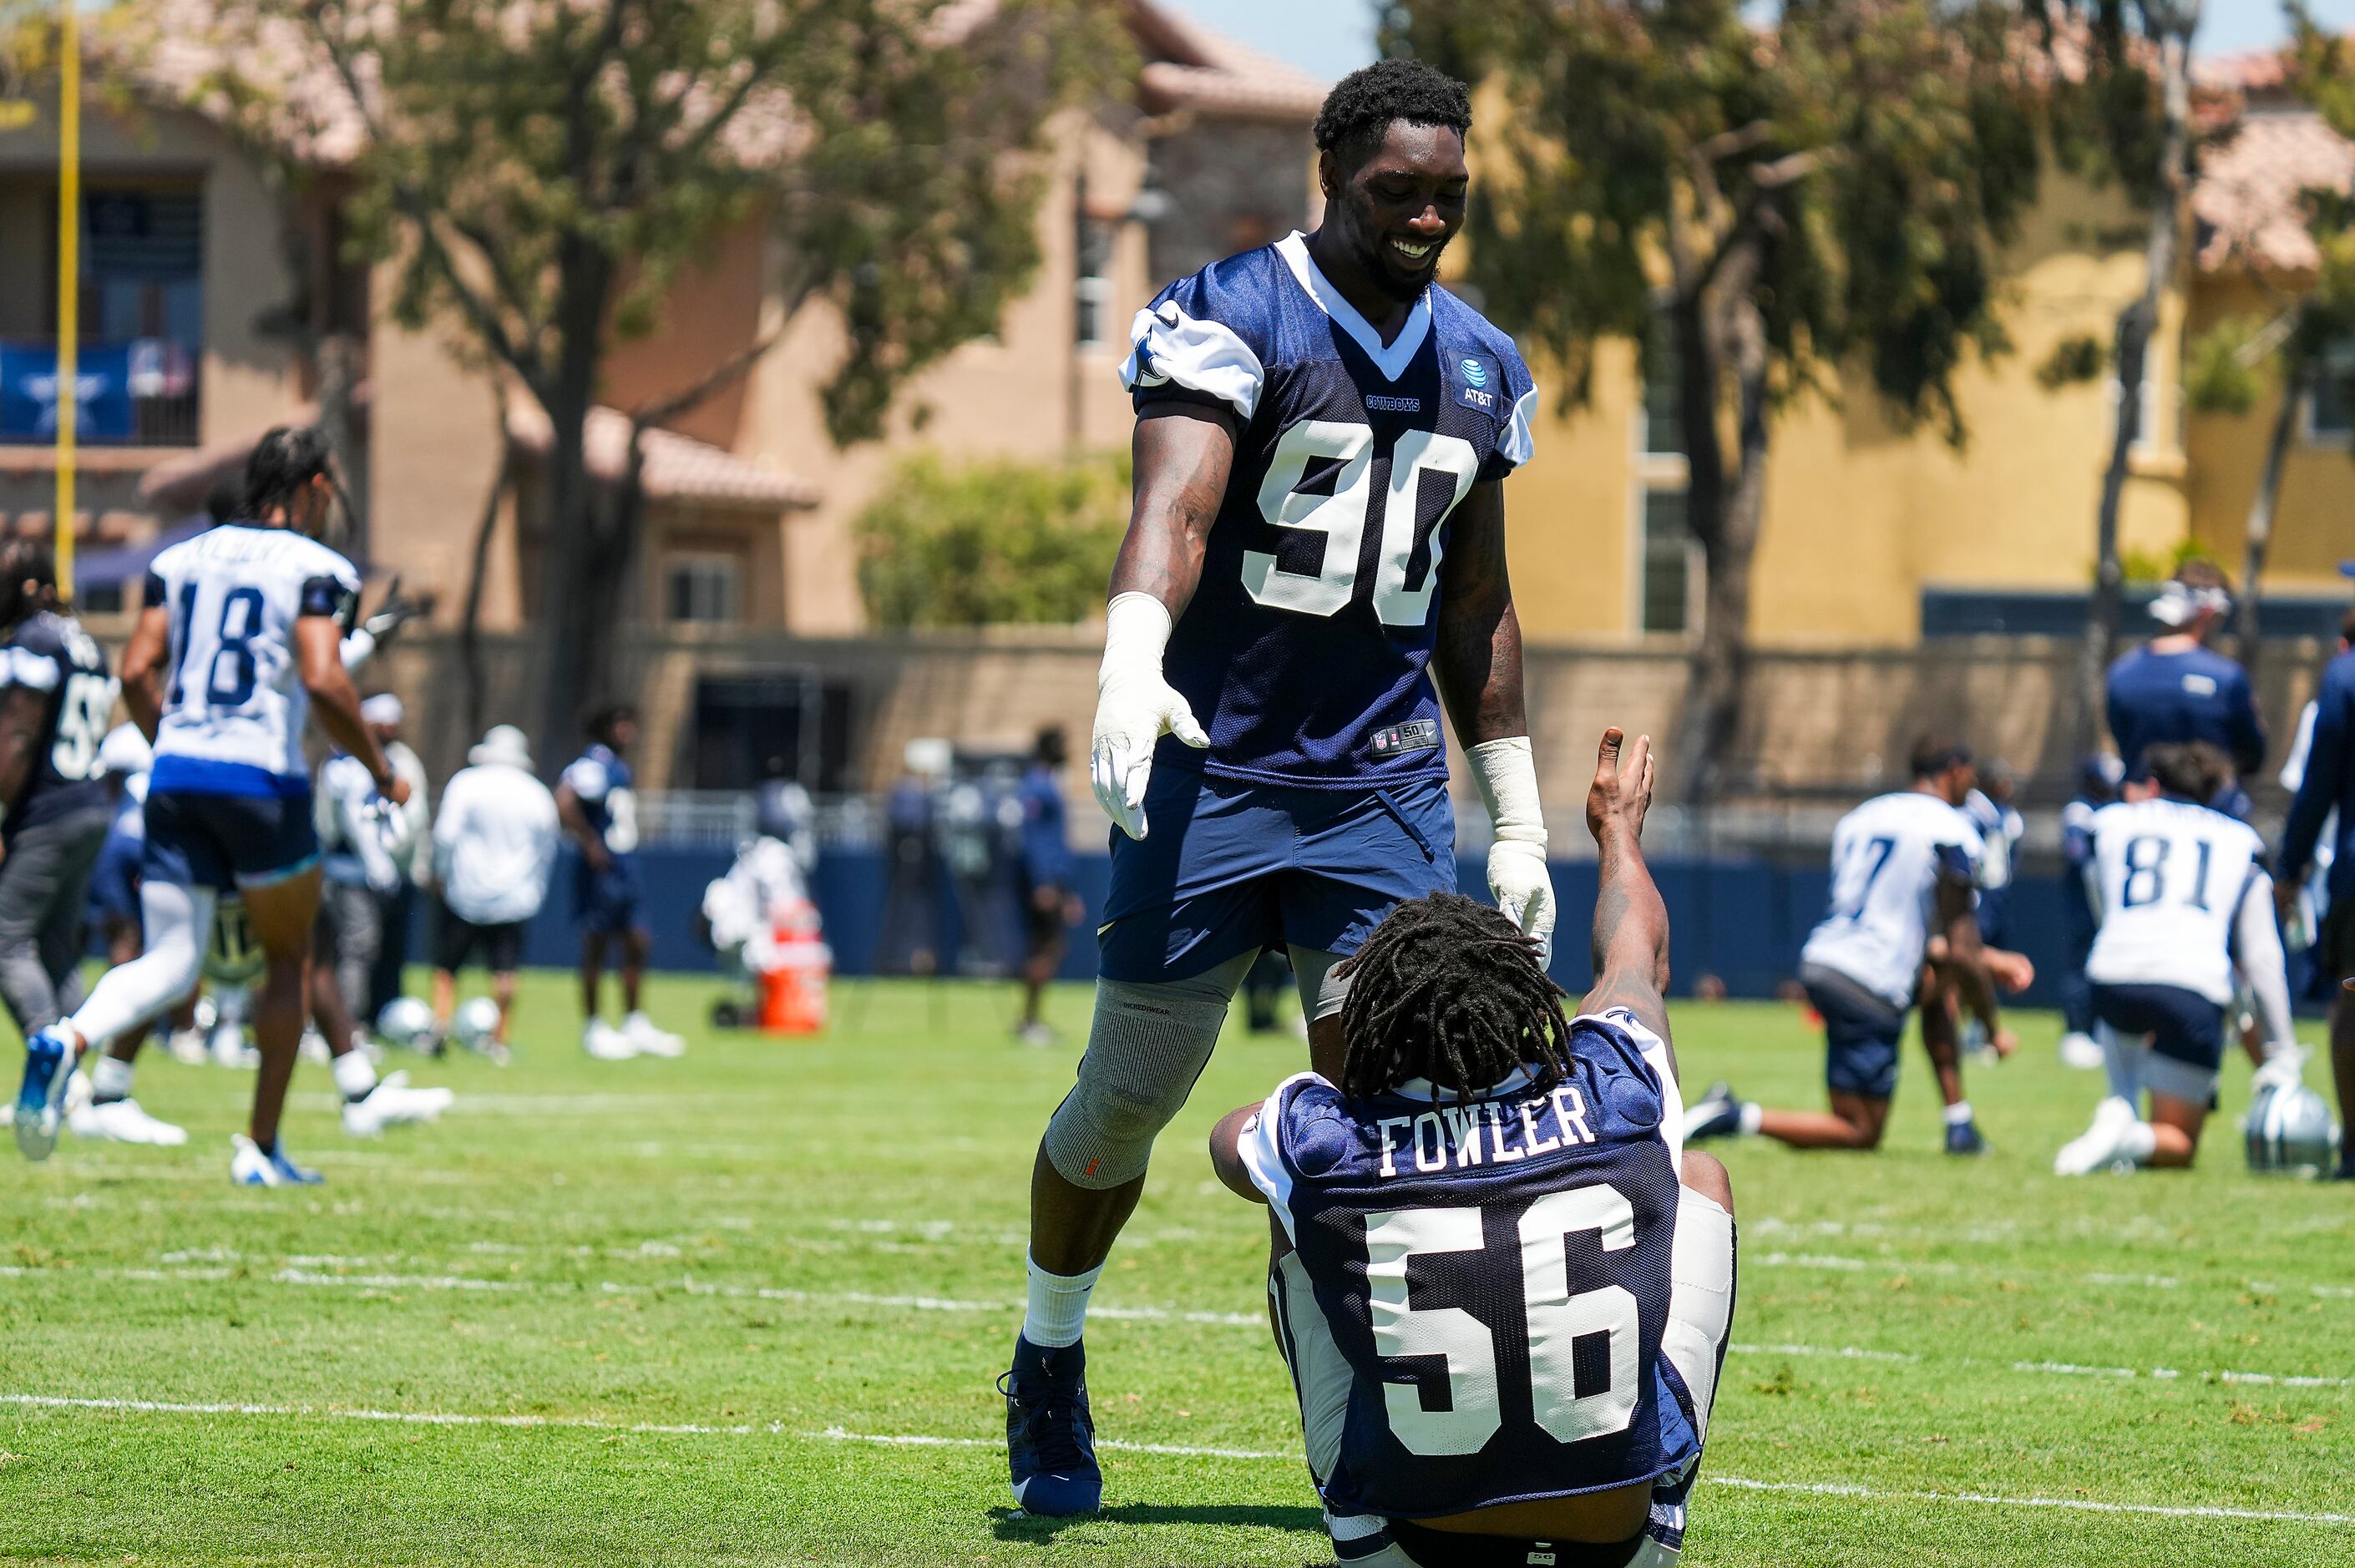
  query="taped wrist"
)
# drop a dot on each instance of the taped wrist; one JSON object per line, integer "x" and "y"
{"x": 1136, "y": 634}
{"x": 1147, "y": 1045}
{"x": 1507, "y": 773}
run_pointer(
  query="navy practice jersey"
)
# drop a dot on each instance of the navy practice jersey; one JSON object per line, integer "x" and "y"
{"x": 1495, "y": 1271}
{"x": 51, "y": 654}
{"x": 602, "y": 780}
{"x": 1303, "y": 650}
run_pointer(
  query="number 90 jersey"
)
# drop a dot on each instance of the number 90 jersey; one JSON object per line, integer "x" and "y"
{"x": 1495, "y": 1273}
{"x": 1303, "y": 649}
{"x": 51, "y": 654}
{"x": 233, "y": 699}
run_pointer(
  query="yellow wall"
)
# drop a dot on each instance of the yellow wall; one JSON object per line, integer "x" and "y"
{"x": 2313, "y": 521}
{"x": 1861, "y": 516}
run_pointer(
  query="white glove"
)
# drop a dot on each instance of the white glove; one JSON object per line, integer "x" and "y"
{"x": 2283, "y": 1068}
{"x": 1505, "y": 770}
{"x": 1134, "y": 708}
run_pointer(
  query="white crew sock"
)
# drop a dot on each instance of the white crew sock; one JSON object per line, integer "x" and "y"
{"x": 109, "y": 1080}
{"x": 1058, "y": 1309}
{"x": 1751, "y": 1114}
{"x": 1958, "y": 1114}
{"x": 354, "y": 1074}
{"x": 2138, "y": 1142}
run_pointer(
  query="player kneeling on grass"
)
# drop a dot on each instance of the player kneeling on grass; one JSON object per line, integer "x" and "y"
{"x": 2182, "y": 895}
{"x": 1502, "y": 1287}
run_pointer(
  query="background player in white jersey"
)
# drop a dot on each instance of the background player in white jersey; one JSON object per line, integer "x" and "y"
{"x": 1316, "y": 551}
{"x": 2183, "y": 896}
{"x": 1900, "y": 925}
{"x": 241, "y": 638}
{"x": 1528, "y": 1168}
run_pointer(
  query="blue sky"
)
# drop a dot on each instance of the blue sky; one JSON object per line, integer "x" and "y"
{"x": 1331, "y": 36}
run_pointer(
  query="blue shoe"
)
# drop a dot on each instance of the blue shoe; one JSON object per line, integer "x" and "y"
{"x": 1965, "y": 1138}
{"x": 40, "y": 1103}
{"x": 1717, "y": 1114}
{"x": 1051, "y": 1448}
{"x": 250, "y": 1165}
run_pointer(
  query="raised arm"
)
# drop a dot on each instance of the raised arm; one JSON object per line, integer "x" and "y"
{"x": 1631, "y": 923}
{"x": 1184, "y": 453}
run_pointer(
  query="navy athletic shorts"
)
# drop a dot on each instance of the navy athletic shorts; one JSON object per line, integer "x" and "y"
{"x": 1227, "y": 868}
{"x": 1860, "y": 1032}
{"x": 606, "y": 902}
{"x": 2181, "y": 1022}
{"x": 227, "y": 842}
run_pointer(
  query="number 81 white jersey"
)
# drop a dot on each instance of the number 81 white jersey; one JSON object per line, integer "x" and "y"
{"x": 2168, "y": 878}
{"x": 234, "y": 703}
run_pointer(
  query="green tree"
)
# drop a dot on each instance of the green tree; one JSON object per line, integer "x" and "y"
{"x": 1794, "y": 210}
{"x": 541, "y": 172}
{"x": 992, "y": 542}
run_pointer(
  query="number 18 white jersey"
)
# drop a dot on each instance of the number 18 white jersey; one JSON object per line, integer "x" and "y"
{"x": 1888, "y": 858}
{"x": 234, "y": 703}
{"x": 2170, "y": 878}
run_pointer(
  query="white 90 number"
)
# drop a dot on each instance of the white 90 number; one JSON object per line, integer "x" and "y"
{"x": 1557, "y": 1319}
{"x": 1341, "y": 517}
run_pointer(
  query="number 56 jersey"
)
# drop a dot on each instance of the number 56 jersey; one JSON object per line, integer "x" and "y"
{"x": 1305, "y": 647}
{"x": 1495, "y": 1272}
{"x": 234, "y": 703}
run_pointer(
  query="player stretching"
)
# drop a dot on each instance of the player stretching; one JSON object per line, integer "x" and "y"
{"x": 1900, "y": 925}
{"x": 1491, "y": 1205}
{"x": 2184, "y": 894}
{"x": 1322, "y": 434}
{"x": 240, "y": 636}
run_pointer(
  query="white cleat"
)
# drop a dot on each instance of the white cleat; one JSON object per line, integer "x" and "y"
{"x": 248, "y": 1165}
{"x": 2081, "y": 1052}
{"x": 314, "y": 1047}
{"x": 2101, "y": 1145}
{"x": 394, "y": 1103}
{"x": 121, "y": 1122}
{"x": 187, "y": 1046}
{"x": 229, "y": 1049}
{"x": 606, "y": 1044}
{"x": 651, "y": 1041}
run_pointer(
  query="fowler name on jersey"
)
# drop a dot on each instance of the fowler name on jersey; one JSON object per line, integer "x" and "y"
{"x": 1304, "y": 648}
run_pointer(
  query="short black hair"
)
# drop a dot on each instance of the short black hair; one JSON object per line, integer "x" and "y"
{"x": 284, "y": 459}
{"x": 2190, "y": 771}
{"x": 26, "y": 561}
{"x": 1362, "y": 106}
{"x": 1050, "y": 748}
{"x": 602, "y": 720}
{"x": 1935, "y": 753}
{"x": 1450, "y": 989}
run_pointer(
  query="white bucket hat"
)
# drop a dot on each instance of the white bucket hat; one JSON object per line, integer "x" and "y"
{"x": 503, "y": 746}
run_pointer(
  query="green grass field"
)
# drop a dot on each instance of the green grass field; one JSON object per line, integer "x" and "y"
{"x": 747, "y": 1308}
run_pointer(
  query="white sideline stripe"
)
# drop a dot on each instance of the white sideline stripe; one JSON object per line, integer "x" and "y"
{"x": 1845, "y": 1265}
{"x": 2164, "y": 1374}
{"x": 1838, "y": 1353}
{"x": 1993, "y": 1499}
{"x": 918, "y": 1440}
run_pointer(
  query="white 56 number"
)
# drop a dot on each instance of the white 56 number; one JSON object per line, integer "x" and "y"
{"x": 1556, "y": 1321}
{"x": 1341, "y": 517}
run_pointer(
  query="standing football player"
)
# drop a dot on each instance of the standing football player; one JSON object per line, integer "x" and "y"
{"x": 2184, "y": 898}
{"x": 1317, "y": 532}
{"x": 597, "y": 807}
{"x": 241, "y": 640}
{"x": 54, "y": 712}
{"x": 1901, "y": 926}
{"x": 1573, "y": 1266}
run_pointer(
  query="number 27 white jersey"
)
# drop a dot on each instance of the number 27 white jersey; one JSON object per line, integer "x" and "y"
{"x": 1888, "y": 858}
{"x": 2170, "y": 878}
{"x": 233, "y": 701}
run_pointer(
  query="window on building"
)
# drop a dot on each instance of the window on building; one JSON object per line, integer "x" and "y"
{"x": 1663, "y": 416}
{"x": 2330, "y": 403}
{"x": 1670, "y": 562}
{"x": 702, "y": 589}
{"x": 1091, "y": 292}
{"x": 2160, "y": 429}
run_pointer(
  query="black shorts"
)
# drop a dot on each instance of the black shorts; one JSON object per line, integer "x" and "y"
{"x": 2183, "y": 1026}
{"x": 1043, "y": 927}
{"x": 1860, "y": 1032}
{"x": 457, "y": 940}
{"x": 227, "y": 842}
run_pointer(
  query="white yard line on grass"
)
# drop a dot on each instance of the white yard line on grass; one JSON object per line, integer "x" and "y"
{"x": 920, "y": 1440}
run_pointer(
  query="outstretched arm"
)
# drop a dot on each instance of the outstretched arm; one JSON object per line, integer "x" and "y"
{"x": 1631, "y": 923}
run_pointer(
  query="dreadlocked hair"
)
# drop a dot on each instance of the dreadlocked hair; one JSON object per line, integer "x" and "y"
{"x": 1450, "y": 989}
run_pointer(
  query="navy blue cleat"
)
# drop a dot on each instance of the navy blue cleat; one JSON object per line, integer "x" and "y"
{"x": 1051, "y": 1443}
{"x": 1717, "y": 1114}
{"x": 40, "y": 1103}
{"x": 1965, "y": 1138}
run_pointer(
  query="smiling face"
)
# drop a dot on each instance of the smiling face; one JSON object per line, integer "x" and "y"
{"x": 1398, "y": 208}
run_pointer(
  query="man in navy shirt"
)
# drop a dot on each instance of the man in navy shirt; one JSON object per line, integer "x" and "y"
{"x": 1050, "y": 907}
{"x": 2173, "y": 688}
{"x": 1315, "y": 552}
{"x": 2329, "y": 784}
{"x": 1490, "y": 1205}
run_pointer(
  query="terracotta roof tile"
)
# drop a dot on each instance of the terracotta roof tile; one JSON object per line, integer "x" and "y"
{"x": 677, "y": 468}
{"x": 2247, "y": 197}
